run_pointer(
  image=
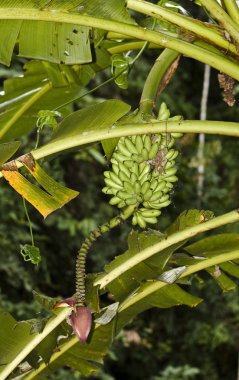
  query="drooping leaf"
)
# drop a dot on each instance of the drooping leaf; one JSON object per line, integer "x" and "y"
{"x": 45, "y": 202}
{"x": 42, "y": 86}
{"x": 89, "y": 120}
{"x": 7, "y": 150}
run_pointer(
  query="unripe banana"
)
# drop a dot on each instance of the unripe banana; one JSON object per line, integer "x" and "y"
{"x": 169, "y": 164}
{"x": 161, "y": 186}
{"x": 146, "y": 169}
{"x": 133, "y": 177}
{"x": 123, "y": 150}
{"x": 145, "y": 154}
{"x": 137, "y": 158}
{"x": 128, "y": 186}
{"x": 137, "y": 187}
{"x": 147, "y": 143}
{"x": 163, "y": 198}
{"x": 148, "y": 194}
{"x": 115, "y": 178}
{"x": 135, "y": 168}
{"x": 169, "y": 185}
{"x": 114, "y": 201}
{"x": 139, "y": 143}
{"x": 155, "y": 196}
{"x": 144, "y": 178}
{"x": 171, "y": 142}
{"x": 128, "y": 163}
{"x": 172, "y": 179}
{"x": 169, "y": 172}
{"x": 124, "y": 169}
{"x": 107, "y": 174}
{"x": 143, "y": 172}
{"x": 170, "y": 154}
{"x": 113, "y": 160}
{"x": 153, "y": 151}
{"x": 151, "y": 220}
{"x": 120, "y": 157}
{"x": 130, "y": 146}
{"x": 123, "y": 176}
{"x": 107, "y": 190}
{"x": 123, "y": 195}
{"x": 145, "y": 187}
{"x": 176, "y": 135}
{"x": 154, "y": 183}
{"x": 165, "y": 204}
{"x": 122, "y": 204}
{"x": 112, "y": 184}
{"x": 140, "y": 220}
{"x": 115, "y": 168}
{"x": 164, "y": 112}
{"x": 131, "y": 201}
{"x": 149, "y": 213}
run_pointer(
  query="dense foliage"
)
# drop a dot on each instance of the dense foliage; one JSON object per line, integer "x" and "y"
{"x": 159, "y": 344}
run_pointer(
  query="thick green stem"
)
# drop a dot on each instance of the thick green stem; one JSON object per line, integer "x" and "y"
{"x": 223, "y": 18}
{"x": 33, "y": 99}
{"x": 232, "y": 9}
{"x": 130, "y": 46}
{"x": 156, "y": 74}
{"x": 156, "y": 285}
{"x": 85, "y": 247}
{"x": 187, "y": 126}
{"x": 177, "y": 237}
{"x": 162, "y": 39}
{"x": 189, "y": 24}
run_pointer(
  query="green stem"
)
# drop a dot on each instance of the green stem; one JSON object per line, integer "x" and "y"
{"x": 156, "y": 74}
{"x": 187, "y": 126}
{"x": 33, "y": 99}
{"x": 156, "y": 285}
{"x": 29, "y": 220}
{"x": 223, "y": 18}
{"x": 232, "y": 9}
{"x": 175, "y": 238}
{"x": 130, "y": 46}
{"x": 85, "y": 247}
{"x": 218, "y": 62}
{"x": 189, "y": 24}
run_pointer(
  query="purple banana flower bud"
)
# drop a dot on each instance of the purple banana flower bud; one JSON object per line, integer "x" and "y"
{"x": 81, "y": 321}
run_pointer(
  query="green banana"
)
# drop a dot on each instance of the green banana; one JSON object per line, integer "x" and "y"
{"x": 139, "y": 143}
{"x": 143, "y": 172}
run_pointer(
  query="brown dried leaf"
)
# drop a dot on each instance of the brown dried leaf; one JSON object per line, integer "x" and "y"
{"x": 227, "y": 84}
{"x": 168, "y": 75}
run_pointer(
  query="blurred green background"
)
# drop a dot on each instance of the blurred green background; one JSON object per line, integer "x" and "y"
{"x": 175, "y": 344}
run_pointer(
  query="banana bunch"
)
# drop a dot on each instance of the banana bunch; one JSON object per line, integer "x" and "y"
{"x": 143, "y": 173}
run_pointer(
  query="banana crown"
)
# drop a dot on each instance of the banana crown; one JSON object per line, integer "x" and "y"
{"x": 143, "y": 173}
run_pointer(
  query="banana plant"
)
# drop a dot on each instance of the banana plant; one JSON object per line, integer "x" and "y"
{"x": 72, "y": 46}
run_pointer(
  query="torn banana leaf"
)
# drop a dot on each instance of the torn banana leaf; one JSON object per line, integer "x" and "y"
{"x": 54, "y": 195}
